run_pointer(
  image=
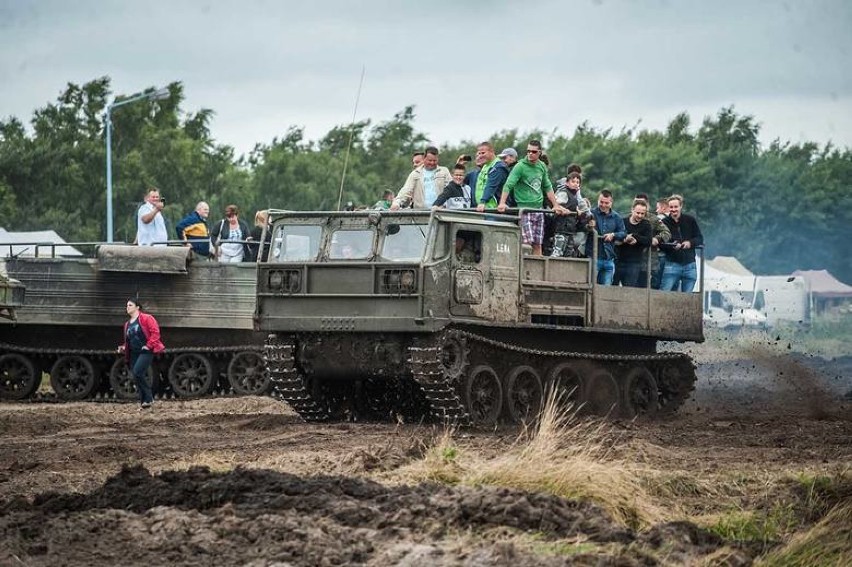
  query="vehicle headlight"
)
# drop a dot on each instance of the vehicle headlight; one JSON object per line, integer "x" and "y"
{"x": 399, "y": 281}
{"x": 407, "y": 281}
{"x": 293, "y": 282}
{"x": 275, "y": 279}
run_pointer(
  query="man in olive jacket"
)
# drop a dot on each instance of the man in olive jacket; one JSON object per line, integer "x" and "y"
{"x": 662, "y": 234}
{"x": 424, "y": 184}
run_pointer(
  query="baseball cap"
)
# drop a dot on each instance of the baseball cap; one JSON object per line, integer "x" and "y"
{"x": 508, "y": 152}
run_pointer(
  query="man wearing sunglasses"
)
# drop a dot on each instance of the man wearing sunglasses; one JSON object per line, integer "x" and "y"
{"x": 529, "y": 183}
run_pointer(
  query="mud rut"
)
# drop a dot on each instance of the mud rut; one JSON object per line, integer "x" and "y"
{"x": 69, "y": 496}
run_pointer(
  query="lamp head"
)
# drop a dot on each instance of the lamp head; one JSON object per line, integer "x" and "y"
{"x": 160, "y": 94}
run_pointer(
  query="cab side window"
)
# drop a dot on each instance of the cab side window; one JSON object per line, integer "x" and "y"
{"x": 468, "y": 246}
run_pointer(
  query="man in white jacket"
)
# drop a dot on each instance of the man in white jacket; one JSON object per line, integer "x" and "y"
{"x": 424, "y": 184}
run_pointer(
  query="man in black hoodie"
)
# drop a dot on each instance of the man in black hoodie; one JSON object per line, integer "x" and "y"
{"x": 680, "y": 270}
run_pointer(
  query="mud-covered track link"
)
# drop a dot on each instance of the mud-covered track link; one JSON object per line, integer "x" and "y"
{"x": 289, "y": 384}
{"x": 102, "y": 375}
{"x": 462, "y": 378}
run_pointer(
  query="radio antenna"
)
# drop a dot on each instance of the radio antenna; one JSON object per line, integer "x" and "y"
{"x": 351, "y": 135}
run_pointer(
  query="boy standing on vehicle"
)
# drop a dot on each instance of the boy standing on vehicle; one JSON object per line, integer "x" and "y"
{"x": 529, "y": 182}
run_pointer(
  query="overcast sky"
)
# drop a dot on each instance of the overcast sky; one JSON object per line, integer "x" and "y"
{"x": 471, "y": 68}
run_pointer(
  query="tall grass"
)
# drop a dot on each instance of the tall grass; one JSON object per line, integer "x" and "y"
{"x": 561, "y": 455}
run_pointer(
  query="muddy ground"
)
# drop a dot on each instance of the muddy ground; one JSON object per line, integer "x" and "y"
{"x": 242, "y": 481}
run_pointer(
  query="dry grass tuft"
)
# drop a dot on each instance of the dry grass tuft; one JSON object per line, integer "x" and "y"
{"x": 561, "y": 455}
{"x": 441, "y": 462}
{"x": 571, "y": 458}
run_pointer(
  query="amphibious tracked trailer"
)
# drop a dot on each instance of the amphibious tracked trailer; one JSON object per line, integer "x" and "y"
{"x": 69, "y": 324}
{"x": 390, "y": 311}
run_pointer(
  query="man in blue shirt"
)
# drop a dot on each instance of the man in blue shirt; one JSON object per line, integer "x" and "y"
{"x": 610, "y": 229}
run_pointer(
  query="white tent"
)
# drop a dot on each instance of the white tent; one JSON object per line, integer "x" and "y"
{"x": 27, "y": 243}
{"x": 730, "y": 265}
{"x": 717, "y": 278}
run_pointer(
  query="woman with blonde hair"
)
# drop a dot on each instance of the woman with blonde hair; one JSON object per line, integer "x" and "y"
{"x": 260, "y": 218}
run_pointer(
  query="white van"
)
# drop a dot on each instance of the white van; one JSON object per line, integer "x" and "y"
{"x": 782, "y": 299}
{"x": 731, "y": 310}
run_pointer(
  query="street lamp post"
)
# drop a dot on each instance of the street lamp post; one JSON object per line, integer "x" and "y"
{"x": 158, "y": 94}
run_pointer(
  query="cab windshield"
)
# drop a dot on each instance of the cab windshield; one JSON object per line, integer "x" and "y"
{"x": 296, "y": 243}
{"x": 404, "y": 242}
{"x": 349, "y": 244}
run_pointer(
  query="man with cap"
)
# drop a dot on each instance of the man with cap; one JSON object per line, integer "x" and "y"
{"x": 496, "y": 179}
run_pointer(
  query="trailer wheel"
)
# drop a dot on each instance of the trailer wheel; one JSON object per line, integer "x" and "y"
{"x": 123, "y": 383}
{"x": 191, "y": 375}
{"x": 247, "y": 374}
{"x": 18, "y": 378}
{"x": 73, "y": 377}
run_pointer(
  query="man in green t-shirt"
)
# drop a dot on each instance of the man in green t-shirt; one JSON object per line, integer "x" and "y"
{"x": 529, "y": 182}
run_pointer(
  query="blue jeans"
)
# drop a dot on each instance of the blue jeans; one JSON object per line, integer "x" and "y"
{"x": 606, "y": 271}
{"x": 682, "y": 275}
{"x": 140, "y": 362}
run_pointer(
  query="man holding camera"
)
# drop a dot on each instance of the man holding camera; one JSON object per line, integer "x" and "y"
{"x": 150, "y": 225}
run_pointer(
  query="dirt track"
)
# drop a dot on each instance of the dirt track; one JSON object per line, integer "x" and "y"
{"x": 106, "y": 484}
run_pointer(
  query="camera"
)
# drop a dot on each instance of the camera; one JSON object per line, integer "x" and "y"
{"x": 162, "y": 200}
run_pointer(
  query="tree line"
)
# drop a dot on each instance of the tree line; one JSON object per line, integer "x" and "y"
{"x": 777, "y": 208}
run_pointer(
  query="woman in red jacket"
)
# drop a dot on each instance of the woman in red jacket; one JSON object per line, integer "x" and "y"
{"x": 141, "y": 342}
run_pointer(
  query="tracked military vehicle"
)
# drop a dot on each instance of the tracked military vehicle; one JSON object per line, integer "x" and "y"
{"x": 390, "y": 311}
{"x": 68, "y": 324}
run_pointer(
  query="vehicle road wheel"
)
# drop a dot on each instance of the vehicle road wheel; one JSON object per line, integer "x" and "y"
{"x": 191, "y": 375}
{"x": 567, "y": 380}
{"x": 123, "y": 383}
{"x": 483, "y": 396}
{"x": 524, "y": 394}
{"x": 73, "y": 378}
{"x": 247, "y": 374}
{"x": 18, "y": 378}
{"x": 602, "y": 393}
{"x": 454, "y": 358}
{"x": 641, "y": 395}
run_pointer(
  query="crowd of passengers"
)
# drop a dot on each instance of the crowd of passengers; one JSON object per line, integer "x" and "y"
{"x": 229, "y": 240}
{"x": 573, "y": 228}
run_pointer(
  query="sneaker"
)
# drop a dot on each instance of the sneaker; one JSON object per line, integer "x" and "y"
{"x": 145, "y": 405}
